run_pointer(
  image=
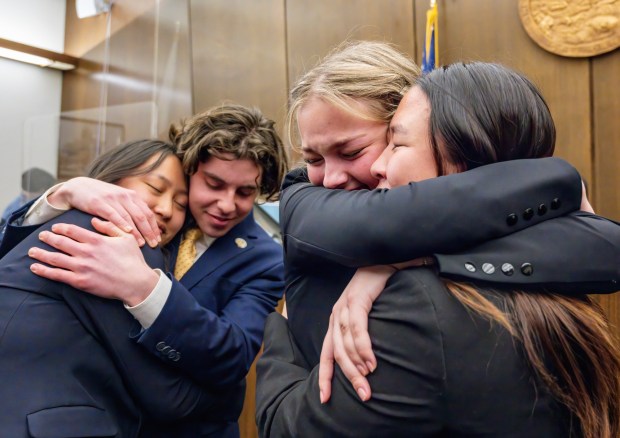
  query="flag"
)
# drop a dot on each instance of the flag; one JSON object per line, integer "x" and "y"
{"x": 430, "y": 52}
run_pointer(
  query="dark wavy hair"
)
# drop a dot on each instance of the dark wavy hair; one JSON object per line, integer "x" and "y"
{"x": 244, "y": 133}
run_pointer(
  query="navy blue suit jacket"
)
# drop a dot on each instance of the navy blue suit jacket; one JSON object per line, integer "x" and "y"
{"x": 213, "y": 319}
{"x": 69, "y": 367}
{"x": 215, "y": 316}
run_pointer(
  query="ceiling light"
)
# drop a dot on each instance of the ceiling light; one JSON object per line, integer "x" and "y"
{"x": 90, "y": 8}
{"x": 35, "y": 55}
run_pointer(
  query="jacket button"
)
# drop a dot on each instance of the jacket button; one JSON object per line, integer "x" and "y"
{"x": 470, "y": 267}
{"x": 542, "y": 209}
{"x": 528, "y": 214}
{"x": 512, "y": 219}
{"x": 508, "y": 269}
{"x": 176, "y": 357}
{"x": 166, "y": 349}
{"x": 160, "y": 346}
{"x": 172, "y": 354}
{"x": 556, "y": 203}
{"x": 488, "y": 268}
{"x": 527, "y": 269}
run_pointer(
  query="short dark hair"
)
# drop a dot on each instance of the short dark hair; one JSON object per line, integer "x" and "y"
{"x": 125, "y": 160}
{"x": 244, "y": 133}
{"x": 485, "y": 113}
{"x": 37, "y": 180}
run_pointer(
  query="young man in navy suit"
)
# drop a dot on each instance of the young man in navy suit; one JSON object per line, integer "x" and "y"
{"x": 209, "y": 323}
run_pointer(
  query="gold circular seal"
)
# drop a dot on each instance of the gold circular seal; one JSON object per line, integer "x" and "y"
{"x": 575, "y": 28}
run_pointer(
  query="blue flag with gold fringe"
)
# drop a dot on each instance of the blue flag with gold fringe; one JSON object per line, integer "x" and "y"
{"x": 430, "y": 52}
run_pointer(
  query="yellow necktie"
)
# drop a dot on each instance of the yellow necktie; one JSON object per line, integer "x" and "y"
{"x": 187, "y": 252}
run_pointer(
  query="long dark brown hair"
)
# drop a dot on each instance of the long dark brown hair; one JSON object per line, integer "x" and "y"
{"x": 483, "y": 113}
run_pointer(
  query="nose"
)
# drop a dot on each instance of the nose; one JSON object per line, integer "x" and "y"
{"x": 336, "y": 176}
{"x": 226, "y": 202}
{"x": 164, "y": 207}
{"x": 377, "y": 170}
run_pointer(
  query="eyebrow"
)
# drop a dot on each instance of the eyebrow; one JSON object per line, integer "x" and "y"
{"x": 337, "y": 144}
{"x": 220, "y": 180}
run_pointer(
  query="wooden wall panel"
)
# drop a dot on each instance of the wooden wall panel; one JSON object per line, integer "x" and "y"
{"x": 82, "y": 35}
{"x": 488, "y": 30}
{"x": 239, "y": 54}
{"x": 606, "y": 121}
{"x": 606, "y": 180}
{"x": 315, "y": 27}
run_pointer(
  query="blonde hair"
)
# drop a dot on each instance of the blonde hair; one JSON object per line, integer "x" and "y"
{"x": 568, "y": 344}
{"x": 373, "y": 72}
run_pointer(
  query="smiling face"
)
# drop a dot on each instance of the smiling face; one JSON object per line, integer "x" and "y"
{"x": 164, "y": 189}
{"x": 409, "y": 155}
{"x": 222, "y": 193}
{"x": 339, "y": 147}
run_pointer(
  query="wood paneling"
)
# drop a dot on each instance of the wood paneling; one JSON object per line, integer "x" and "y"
{"x": 488, "y": 30}
{"x": 606, "y": 120}
{"x": 315, "y": 27}
{"x": 238, "y": 53}
{"x": 82, "y": 35}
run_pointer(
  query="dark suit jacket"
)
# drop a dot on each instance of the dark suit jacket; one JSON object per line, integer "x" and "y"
{"x": 328, "y": 233}
{"x": 214, "y": 318}
{"x": 69, "y": 367}
{"x": 442, "y": 372}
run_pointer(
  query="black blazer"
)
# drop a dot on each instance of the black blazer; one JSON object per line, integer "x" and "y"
{"x": 69, "y": 367}
{"x": 329, "y": 233}
{"x": 442, "y": 371}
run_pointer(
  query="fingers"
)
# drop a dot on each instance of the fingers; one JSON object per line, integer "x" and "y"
{"x": 326, "y": 366}
{"x": 343, "y": 329}
{"x": 107, "y": 228}
{"x": 53, "y": 274}
{"x": 54, "y": 259}
{"x": 121, "y": 216}
{"x": 354, "y": 374}
{"x": 123, "y": 207}
{"x": 145, "y": 223}
{"x": 68, "y": 238}
{"x": 358, "y": 327}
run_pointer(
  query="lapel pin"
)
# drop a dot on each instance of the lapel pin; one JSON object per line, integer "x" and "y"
{"x": 240, "y": 242}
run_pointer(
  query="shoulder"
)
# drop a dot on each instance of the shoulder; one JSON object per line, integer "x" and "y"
{"x": 249, "y": 232}
{"x": 295, "y": 176}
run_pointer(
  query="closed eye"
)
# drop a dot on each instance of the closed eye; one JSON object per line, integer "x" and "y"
{"x": 352, "y": 154}
{"x": 154, "y": 188}
{"x": 312, "y": 161}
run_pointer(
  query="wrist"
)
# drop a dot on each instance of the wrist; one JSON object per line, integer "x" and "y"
{"x": 143, "y": 288}
{"x": 59, "y": 198}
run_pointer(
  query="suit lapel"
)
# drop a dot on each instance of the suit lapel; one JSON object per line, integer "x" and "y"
{"x": 236, "y": 242}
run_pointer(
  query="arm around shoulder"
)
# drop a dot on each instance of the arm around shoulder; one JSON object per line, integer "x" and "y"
{"x": 450, "y": 213}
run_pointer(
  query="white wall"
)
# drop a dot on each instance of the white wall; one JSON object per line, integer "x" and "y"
{"x": 29, "y": 95}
